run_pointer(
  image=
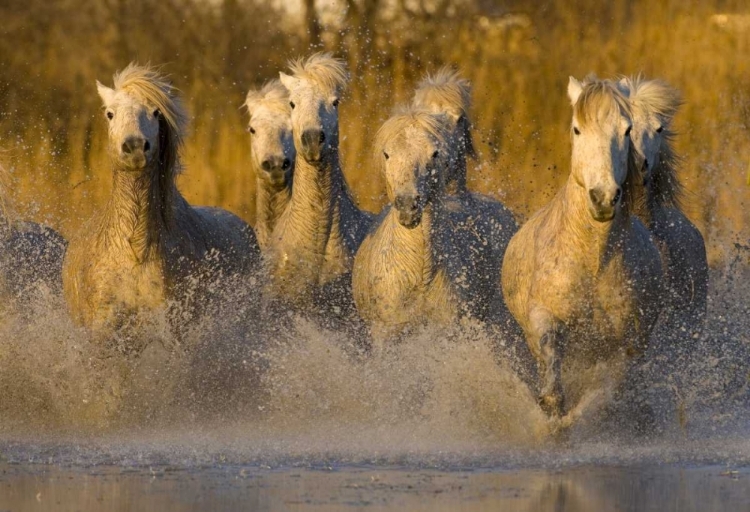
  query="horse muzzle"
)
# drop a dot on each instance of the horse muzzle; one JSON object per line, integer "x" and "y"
{"x": 313, "y": 145}
{"x": 409, "y": 211}
{"x": 135, "y": 152}
{"x": 603, "y": 206}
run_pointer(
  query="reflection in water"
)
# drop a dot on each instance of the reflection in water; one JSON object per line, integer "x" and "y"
{"x": 583, "y": 489}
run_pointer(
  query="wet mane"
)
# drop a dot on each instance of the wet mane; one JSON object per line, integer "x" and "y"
{"x": 272, "y": 94}
{"x": 322, "y": 69}
{"x": 150, "y": 86}
{"x": 597, "y": 101}
{"x": 448, "y": 87}
{"x": 659, "y": 98}
{"x": 409, "y": 117}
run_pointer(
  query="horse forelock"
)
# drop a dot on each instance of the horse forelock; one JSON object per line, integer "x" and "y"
{"x": 323, "y": 70}
{"x": 445, "y": 87}
{"x": 272, "y": 95}
{"x": 598, "y": 101}
{"x": 408, "y": 119}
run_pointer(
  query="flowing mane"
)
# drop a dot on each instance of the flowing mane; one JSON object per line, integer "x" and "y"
{"x": 444, "y": 88}
{"x": 272, "y": 95}
{"x": 322, "y": 69}
{"x": 150, "y": 86}
{"x": 598, "y": 100}
{"x": 659, "y": 98}
{"x": 408, "y": 118}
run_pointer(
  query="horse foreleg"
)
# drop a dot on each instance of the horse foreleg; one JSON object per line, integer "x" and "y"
{"x": 550, "y": 363}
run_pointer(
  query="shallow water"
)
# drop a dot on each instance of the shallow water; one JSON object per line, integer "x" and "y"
{"x": 287, "y": 414}
{"x": 335, "y": 488}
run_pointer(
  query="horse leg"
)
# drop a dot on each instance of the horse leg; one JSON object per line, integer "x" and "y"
{"x": 546, "y": 349}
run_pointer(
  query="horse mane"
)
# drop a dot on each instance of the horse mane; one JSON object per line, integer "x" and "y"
{"x": 323, "y": 69}
{"x": 663, "y": 100}
{"x": 597, "y": 101}
{"x": 448, "y": 87}
{"x": 272, "y": 94}
{"x": 150, "y": 86}
{"x": 406, "y": 117}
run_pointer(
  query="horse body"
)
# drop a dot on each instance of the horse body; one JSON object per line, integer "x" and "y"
{"x": 582, "y": 276}
{"x": 654, "y": 105}
{"x": 315, "y": 240}
{"x": 149, "y": 247}
{"x": 31, "y": 254}
{"x": 415, "y": 266}
{"x": 273, "y": 155}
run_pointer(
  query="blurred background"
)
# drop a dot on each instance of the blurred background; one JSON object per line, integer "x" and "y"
{"x": 518, "y": 55}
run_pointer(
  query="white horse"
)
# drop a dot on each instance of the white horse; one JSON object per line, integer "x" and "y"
{"x": 273, "y": 155}
{"x": 315, "y": 240}
{"x": 407, "y": 271}
{"x": 582, "y": 276}
{"x": 654, "y": 105}
{"x": 31, "y": 255}
{"x": 446, "y": 92}
{"x": 149, "y": 246}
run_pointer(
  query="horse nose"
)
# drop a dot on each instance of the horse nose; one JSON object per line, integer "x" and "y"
{"x": 599, "y": 198}
{"x": 273, "y": 162}
{"x": 313, "y": 138}
{"x": 134, "y": 144}
{"x": 407, "y": 203}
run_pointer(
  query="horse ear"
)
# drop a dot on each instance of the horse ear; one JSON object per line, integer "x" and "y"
{"x": 288, "y": 81}
{"x": 574, "y": 90}
{"x": 105, "y": 93}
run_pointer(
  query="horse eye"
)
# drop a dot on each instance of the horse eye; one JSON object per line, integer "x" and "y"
{"x": 335, "y": 102}
{"x": 435, "y": 154}
{"x": 386, "y": 155}
{"x": 251, "y": 130}
{"x": 576, "y": 130}
{"x": 291, "y": 104}
{"x": 461, "y": 119}
{"x": 627, "y": 132}
{"x": 157, "y": 113}
{"x": 660, "y": 129}
{"x": 110, "y": 115}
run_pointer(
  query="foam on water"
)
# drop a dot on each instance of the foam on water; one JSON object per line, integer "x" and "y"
{"x": 242, "y": 388}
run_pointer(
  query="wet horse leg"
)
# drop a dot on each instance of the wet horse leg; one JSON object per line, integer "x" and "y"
{"x": 546, "y": 344}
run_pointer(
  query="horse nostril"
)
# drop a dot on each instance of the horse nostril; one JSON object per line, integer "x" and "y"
{"x": 617, "y": 196}
{"x": 266, "y": 165}
{"x": 322, "y": 137}
{"x": 147, "y": 146}
{"x": 596, "y": 196}
{"x": 285, "y": 164}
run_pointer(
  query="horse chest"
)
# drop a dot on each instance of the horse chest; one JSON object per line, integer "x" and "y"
{"x": 129, "y": 285}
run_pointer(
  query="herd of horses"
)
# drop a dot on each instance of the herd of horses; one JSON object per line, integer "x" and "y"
{"x": 586, "y": 278}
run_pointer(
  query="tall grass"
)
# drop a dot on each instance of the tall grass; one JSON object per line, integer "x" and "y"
{"x": 53, "y": 135}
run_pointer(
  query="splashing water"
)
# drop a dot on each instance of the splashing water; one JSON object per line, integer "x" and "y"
{"x": 246, "y": 387}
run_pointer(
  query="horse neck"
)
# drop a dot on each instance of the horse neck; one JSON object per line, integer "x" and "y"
{"x": 137, "y": 217}
{"x": 269, "y": 205}
{"x": 456, "y": 182}
{"x": 584, "y": 231}
{"x": 318, "y": 196}
{"x": 413, "y": 248}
